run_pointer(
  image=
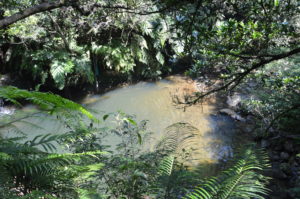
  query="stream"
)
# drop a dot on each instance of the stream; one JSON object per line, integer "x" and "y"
{"x": 209, "y": 141}
{"x": 202, "y": 131}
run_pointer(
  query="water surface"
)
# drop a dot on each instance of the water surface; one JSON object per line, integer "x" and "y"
{"x": 153, "y": 101}
{"x": 198, "y": 129}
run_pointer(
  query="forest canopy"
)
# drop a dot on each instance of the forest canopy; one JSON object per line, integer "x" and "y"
{"x": 70, "y": 47}
{"x": 85, "y": 39}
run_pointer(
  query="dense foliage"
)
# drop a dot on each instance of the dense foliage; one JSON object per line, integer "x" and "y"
{"x": 34, "y": 168}
{"x": 80, "y": 44}
{"x": 249, "y": 47}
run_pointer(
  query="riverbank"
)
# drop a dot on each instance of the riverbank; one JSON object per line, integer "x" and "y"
{"x": 281, "y": 147}
{"x": 283, "y": 152}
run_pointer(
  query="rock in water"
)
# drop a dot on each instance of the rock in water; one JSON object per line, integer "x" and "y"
{"x": 234, "y": 100}
{"x": 232, "y": 114}
{"x": 6, "y": 111}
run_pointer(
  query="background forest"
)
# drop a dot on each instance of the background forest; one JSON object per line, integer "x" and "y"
{"x": 52, "y": 51}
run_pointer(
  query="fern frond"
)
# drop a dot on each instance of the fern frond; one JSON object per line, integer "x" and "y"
{"x": 177, "y": 137}
{"x": 46, "y": 101}
{"x": 26, "y": 159}
{"x": 45, "y": 165}
{"x": 45, "y": 141}
{"x": 242, "y": 180}
{"x": 166, "y": 165}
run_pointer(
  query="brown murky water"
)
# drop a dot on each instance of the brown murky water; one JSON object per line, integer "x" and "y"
{"x": 208, "y": 143}
{"x": 206, "y": 136}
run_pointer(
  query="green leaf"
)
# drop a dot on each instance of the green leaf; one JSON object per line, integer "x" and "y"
{"x": 143, "y": 42}
{"x": 45, "y": 101}
{"x": 131, "y": 121}
{"x": 105, "y": 117}
{"x": 139, "y": 138}
{"x": 160, "y": 58}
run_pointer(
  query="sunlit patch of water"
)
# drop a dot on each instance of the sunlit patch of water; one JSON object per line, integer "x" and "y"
{"x": 211, "y": 141}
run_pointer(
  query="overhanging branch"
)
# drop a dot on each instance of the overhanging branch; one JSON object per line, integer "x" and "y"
{"x": 236, "y": 81}
{"x": 47, "y": 6}
{"x": 31, "y": 11}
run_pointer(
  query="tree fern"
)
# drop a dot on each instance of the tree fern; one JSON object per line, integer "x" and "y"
{"x": 177, "y": 137}
{"x": 242, "y": 180}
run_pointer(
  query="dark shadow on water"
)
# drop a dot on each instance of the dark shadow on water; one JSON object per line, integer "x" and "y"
{"x": 223, "y": 128}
